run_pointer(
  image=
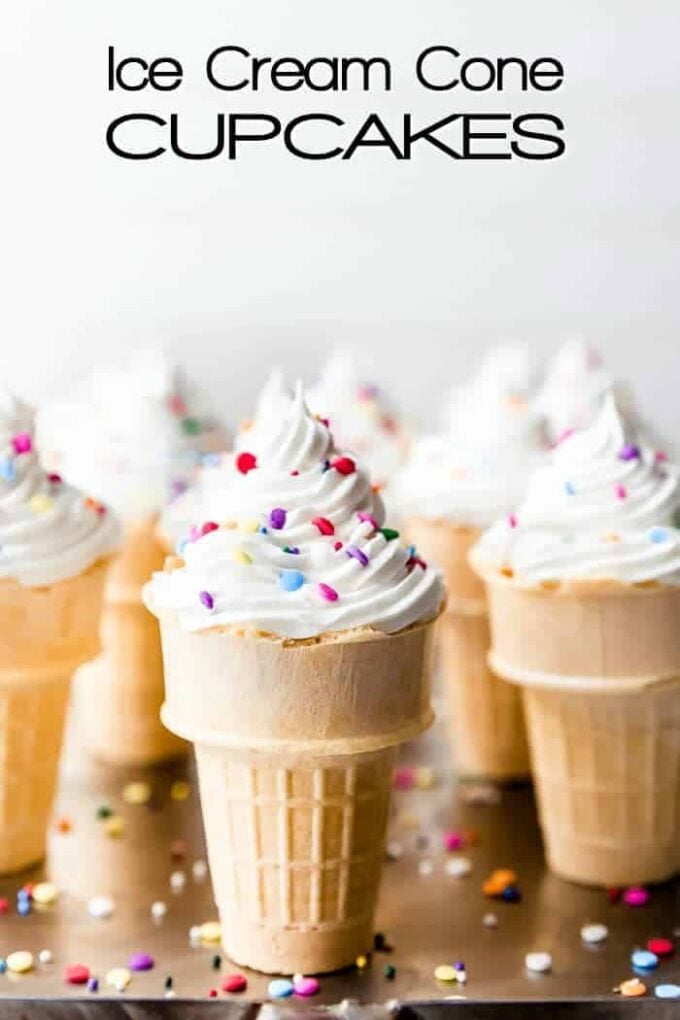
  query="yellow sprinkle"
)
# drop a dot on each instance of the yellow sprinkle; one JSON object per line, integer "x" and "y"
{"x": 361, "y": 962}
{"x": 249, "y": 525}
{"x": 211, "y": 931}
{"x": 241, "y": 556}
{"x": 612, "y": 536}
{"x": 180, "y": 790}
{"x": 118, "y": 978}
{"x": 445, "y": 972}
{"x": 113, "y": 827}
{"x": 41, "y": 503}
{"x": 424, "y": 777}
{"x": 44, "y": 892}
{"x": 407, "y": 820}
{"x": 19, "y": 962}
{"x": 137, "y": 793}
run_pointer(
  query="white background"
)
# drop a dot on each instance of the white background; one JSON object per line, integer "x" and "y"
{"x": 235, "y": 266}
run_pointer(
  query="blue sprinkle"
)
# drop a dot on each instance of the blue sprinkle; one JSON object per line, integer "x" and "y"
{"x": 569, "y": 488}
{"x": 667, "y": 991}
{"x": 411, "y": 551}
{"x": 280, "y": 988}
{"x": 23, "y": 894}
{"x": 262, "y": 530}
{"x": 3, "y": 966}
{"x": 291, "y": 580}
{"x": 7, "y": 470}
{"x": 181, "y": 546}
{"x": 644, "y": 959}
{"x": 511, "y": 894}
{"x": 658, "y": 534}
{"x": 23, "y": 908}
{"x": 212, "y": 459}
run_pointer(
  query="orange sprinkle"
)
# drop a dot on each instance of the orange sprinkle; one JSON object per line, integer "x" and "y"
{"x": 632, "y": 989}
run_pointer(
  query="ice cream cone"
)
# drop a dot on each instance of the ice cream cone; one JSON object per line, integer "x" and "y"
{"x": 295, "y": 742}
{"x": 118, "y": 696}
{"x": 484, "y": 712}
{"x": 599, "y": 664}
{"x": 45, "y": 633}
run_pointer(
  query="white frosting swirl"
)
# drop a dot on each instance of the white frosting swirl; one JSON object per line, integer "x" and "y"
{"x": 49, "y": 531}
{"x": 603, "y": 507}
{"x": 361, "y": 421}
{"x": 478, "y": 469}
{"x": 573, "y": 390}
{"x": 128, "y": 436}
{"x": 305, "y": 562}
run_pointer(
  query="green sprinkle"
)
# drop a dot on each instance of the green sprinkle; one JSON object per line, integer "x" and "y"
{"x": 389, "y": 533}
{"x": 191, "y": 426}
{"x": 104, "y": 811}
{"x": 389, "y": 970}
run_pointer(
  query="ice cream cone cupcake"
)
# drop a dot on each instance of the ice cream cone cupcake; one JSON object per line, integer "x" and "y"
{"x": 295, "y": 645}
{"x": 453, "y": 486}
{"x": 130, "y": 437}
{"x": 362, "y": 421}
{"x": 54, "y": 550}
{"x": 584, "y": 594}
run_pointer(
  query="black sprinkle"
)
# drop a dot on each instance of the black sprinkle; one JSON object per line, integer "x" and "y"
{"x": 168, "y": 983}
{"x": 216, "y": 962}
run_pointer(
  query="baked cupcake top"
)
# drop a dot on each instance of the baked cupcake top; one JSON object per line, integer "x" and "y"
{"x": 127, "y": 435}
{"x": 313, "y": 558}
{"x": 603, "y": 507}
{"x": 477, "y": 469}
{"x": 205, "y": 497}
{"x": 360, "y": 418}
{"x": 49, "y": 531}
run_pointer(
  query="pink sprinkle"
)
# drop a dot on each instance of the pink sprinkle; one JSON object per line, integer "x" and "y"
{"x": 403, "y": 778}
{"x": 208, "y": 527}
{"x": 660, "y": 457}
{"x": 621, "y": 492}
{"x": 564, "y": 434}
{"x": 636, "y": 896}
{"x": 512, "y": 520}
{"x": 54, "y": 478}
{"x": 326, "y": 592}
{"x": 194, "y": 533}
{"x": 326, "y": 422}
{"x": 295, "y": 473}
{"x": 363, "y": 516}
{"x": 22, "y": 442}
{"x": 305, "y": 986}
{"x": 453, "y": 841}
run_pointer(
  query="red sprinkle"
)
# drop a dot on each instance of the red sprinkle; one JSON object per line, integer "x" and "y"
{"x": 324, "y": 525}
{"x": 621, "y": 492}
{"x": 326, "y": 592}
{"x": 234, "y": 983}
{"x": 344, "y": 465}
{"x": 337, "y": 546}
{"x": 295, "y": 473}
{"x": 415, "y": 561}
{"x": 208, "y": 527}
{"x": 77, "y": 974}
{"x": 245, "y": 462}
{"x": 4, "y": 905}
{"x": 177, "y": 405}
{"x": 662, "y": 947}
{"x": 54, "y": 478}
{"x": 212, "y": 994}
{"x": 614, "y": 895}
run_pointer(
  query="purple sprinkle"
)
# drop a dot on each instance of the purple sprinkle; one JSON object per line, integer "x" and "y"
{"x": 277, "y": 518}
{"x": 140, "y": 961}
{"x": 292, "y": 549}
{"x": 92, "y": 984}
{"x": 177, "y": 487}
{"x": 206, "y": 599}
{"x": 326, "y": 466}
{"x": 357, "y": 554}
{"x": 629, "y": 452}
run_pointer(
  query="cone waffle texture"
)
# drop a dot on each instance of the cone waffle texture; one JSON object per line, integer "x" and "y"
{"x": 45, "y": 633}
{"x": 118, "y": 697}
{"x": 606, "y": 772}
{"x": 295, "y": 744}
{"x": 599, "y": 664}
{"x": 485, "y": 717}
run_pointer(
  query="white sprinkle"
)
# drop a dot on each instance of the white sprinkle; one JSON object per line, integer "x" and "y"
{"x": 394, "y": 850}
{"x": 458, "y": 867}
{"x": 199, "y": 869}
{"x": 483, "y": 795}
{"x": 159, "y": 910}
{"x": 425, "y": 867}
{"x": 177, "y": 881}
{"x": 594, "y": 932}
{"x": 538, "y": 963}
{"x": 195, "y": 934}
{"x": 45, "y": 956}
{"x": 100, "y": 907}
{"x": 490, "y": 921}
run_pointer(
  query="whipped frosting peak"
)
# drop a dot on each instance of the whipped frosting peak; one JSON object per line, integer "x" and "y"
{"x": 298, "y": 547}
{"x": 477, "y": 469}
{"x": 49, "y": 531}
{"x": 604, "y": 506}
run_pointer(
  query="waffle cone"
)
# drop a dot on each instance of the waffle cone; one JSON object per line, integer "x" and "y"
{"x": 485, "y": 718}
{"x": 295, "y": 743}
{"x": 118, "y": 697}
{"x": 599, "y": 664}
{"x": 45, "y": 633}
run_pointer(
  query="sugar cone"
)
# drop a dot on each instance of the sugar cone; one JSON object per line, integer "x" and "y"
{"x": 45, "y": 633}
{"x": 484, "y": 714}
{"x": 118, "y": 697}
{"x": 294, "y": 744}
{"x": 599, "y": 665}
